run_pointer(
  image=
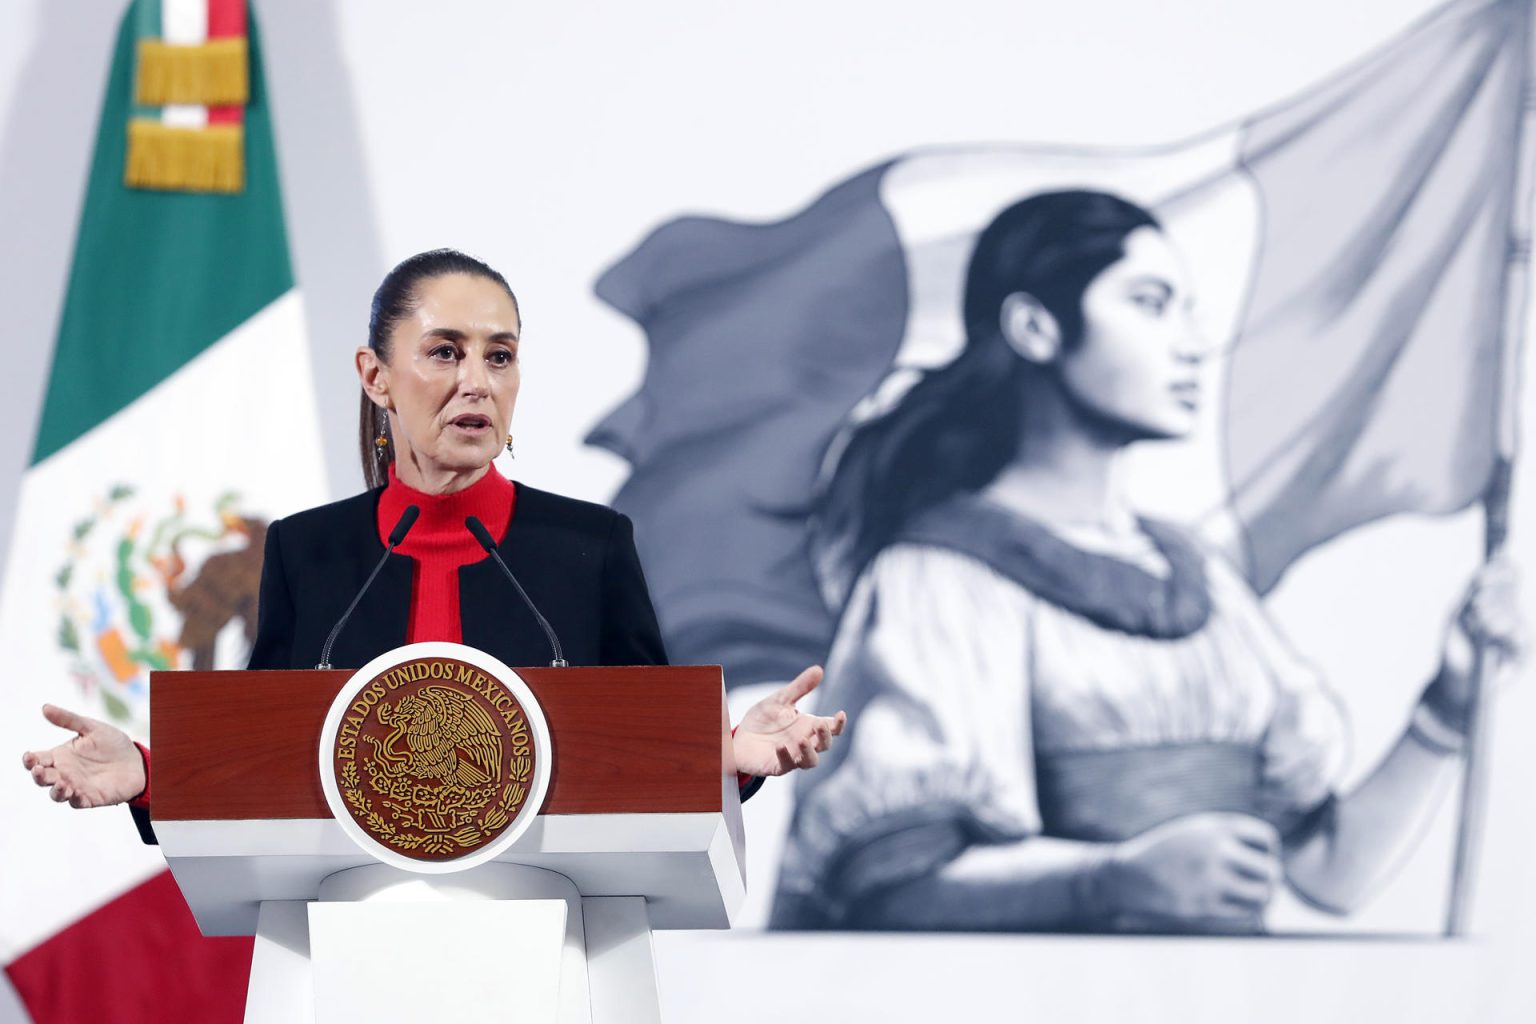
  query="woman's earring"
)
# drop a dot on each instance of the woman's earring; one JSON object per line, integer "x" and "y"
{"x": 381, "y": 445}
{"x": 509, "y": 447}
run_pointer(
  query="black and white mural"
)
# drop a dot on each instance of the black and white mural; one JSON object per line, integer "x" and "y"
{"x": 1019, "y": 439}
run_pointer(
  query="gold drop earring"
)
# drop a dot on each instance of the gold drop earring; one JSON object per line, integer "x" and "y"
{"x": 510, "y": 452}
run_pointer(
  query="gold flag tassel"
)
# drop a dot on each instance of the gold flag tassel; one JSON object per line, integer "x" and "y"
{"x": 168, "y": 158}
{"x": 215, "y": 73}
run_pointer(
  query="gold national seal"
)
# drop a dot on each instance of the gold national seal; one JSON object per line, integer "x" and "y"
{"x": 434, "y": 758}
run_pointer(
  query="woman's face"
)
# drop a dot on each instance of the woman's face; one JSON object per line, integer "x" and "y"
{"x": 451, "y": 380}
{"x": 1138, "y": 363}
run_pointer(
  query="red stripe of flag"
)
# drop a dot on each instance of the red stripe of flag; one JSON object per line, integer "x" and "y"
{"x": 139, "y": 959}
{"x": 226, "y": 18}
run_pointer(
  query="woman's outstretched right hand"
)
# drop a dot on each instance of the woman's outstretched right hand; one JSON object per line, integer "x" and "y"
{"x": 1203, "y": 870}
{"x": 99, "y": 766}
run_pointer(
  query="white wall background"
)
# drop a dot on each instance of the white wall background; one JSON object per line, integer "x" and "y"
{"x": 548, "y": 138}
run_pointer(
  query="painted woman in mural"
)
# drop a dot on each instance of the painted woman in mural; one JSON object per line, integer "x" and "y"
{"x": 1065, "y": 716}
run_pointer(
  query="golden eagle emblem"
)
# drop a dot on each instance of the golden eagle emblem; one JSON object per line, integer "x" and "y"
{"x": 447, "y": 739}
{"x": 434, "y": 758}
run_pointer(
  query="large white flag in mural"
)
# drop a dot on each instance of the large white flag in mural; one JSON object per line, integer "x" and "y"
{"x": 1351, "y": 249}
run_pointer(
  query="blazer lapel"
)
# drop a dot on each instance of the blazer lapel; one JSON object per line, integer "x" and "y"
{"x": 382, "y": 617}
{"x": 495, "y": 619}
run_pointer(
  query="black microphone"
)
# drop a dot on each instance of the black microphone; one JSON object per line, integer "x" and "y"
{"x": 483, "y": 535}
{"x": 403, "y": 527}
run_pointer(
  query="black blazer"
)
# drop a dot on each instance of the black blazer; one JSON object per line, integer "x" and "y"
{"x": 576, "y": 560}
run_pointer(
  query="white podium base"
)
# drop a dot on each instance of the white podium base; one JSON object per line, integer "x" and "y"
{"x": 498, "y": 942}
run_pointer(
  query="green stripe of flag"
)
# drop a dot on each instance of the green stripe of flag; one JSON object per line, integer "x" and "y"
{"x": 147, "y": 24}
{"x": 158, "y": 276}
{"x": 146, "y": 20}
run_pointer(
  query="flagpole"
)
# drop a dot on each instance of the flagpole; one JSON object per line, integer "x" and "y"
{"x": 1474, "y": 779}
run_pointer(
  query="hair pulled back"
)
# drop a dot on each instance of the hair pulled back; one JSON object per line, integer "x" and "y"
{"x": 959, "y": 425}
{"x": 397, "y": 297}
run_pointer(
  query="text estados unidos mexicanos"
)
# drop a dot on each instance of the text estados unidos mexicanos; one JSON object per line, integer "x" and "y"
{"x": 421, "y": 671}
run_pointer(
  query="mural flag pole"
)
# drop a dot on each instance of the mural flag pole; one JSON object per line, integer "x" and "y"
{"x": 1496, "y": 501}
{"x": 1474, "y": 780}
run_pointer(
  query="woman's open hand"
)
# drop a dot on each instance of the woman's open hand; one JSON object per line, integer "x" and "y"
{"x": 775, "y": 737}
{"x": 100, "y": 766}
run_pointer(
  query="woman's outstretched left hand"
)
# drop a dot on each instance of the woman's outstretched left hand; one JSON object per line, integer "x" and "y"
{"x": 776, "y": 737}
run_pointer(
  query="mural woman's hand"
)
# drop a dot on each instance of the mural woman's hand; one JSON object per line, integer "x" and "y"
{"x": 100, "y": 766}
{"x": 1204, "y": 867}
{"x": 1489, "y": 617}
{"x": 775, "y": 737}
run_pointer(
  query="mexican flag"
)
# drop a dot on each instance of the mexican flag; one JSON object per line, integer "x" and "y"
{"x": 179, "y": 419}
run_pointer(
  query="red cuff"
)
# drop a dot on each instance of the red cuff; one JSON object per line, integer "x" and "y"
{"x": 743, "y": 779}
{"x": 142, "y": 800}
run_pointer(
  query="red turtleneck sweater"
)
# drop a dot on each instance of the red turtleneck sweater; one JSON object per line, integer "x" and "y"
{"x": 439, "y": 544}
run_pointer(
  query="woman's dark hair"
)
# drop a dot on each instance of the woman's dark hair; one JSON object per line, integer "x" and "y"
{"x": 397, "y": 298}
{"x": 957, "y": 428}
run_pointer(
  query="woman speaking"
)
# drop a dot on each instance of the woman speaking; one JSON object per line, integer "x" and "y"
{"x": 440, "y": 378}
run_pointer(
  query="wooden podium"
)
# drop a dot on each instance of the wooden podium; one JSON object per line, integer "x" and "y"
{"x": 640, "y": 829}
